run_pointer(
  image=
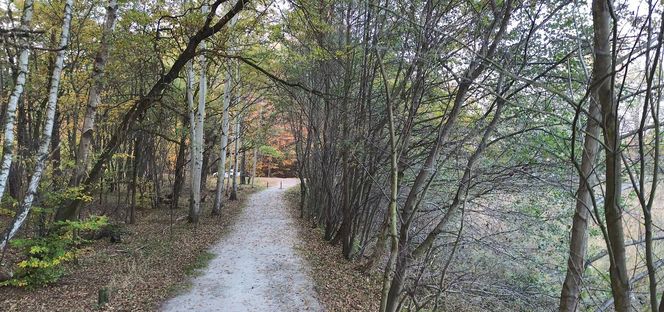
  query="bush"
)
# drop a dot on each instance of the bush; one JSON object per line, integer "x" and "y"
{"x": 44, "y": 257}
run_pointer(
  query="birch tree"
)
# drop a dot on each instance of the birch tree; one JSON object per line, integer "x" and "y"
{"x": 255, "y": 158}
{"x": 223, "y": 143}
{"x": 233, "y": 195}
{"x": 12, "y": 104}
{"x": 42, "y": 154}
{"x": 238, "y": 121}
{"x": 223, "y": 138}
{"x": 192, "y": 133}
{"x": 136, "y": 110}
{"x": 198, "y": 134}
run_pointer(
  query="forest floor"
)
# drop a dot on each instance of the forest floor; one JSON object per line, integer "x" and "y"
{"x": 151, "y": 264}
{"x": 341, "y": 284}
{"x": 256, "y": 266}
{"x": 258, "y": 256}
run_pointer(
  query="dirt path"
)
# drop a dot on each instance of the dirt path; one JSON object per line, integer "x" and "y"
{"x": 255, "y": 267}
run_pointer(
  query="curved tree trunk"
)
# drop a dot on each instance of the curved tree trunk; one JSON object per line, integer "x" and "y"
{"x": 134, "y": 113}
{"x": 42, "y": 153}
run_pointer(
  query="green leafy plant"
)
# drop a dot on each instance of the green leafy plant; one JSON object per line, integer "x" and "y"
{"x": 44, "y": 257}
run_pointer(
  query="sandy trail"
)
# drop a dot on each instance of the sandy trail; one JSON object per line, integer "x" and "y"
{"x": 255, "y": 267}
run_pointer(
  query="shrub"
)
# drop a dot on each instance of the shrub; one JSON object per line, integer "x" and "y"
{"x": 44, "y": 257}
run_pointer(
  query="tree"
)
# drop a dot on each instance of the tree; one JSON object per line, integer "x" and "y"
{"x": 10, "y": 112}
{"x": 223, "y": 138}
{"x": 70, "y": 211}
{"x": 94, "y": 97}
{"x": 236, "y": 150}
{"x": 604, "y": 79}
{"x": 197, "y": 138}
{"x": 42, "y": 154}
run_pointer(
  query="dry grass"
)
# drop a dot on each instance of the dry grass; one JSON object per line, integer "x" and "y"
{"x": 634, "y": 231}
{"x": 151, "y": 264}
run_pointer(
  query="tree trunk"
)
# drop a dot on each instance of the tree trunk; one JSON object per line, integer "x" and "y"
{"x": 43, "y": 152}
{"x": 205, "y": 171}
{"x": 569, "y": 296}
{"x": 223, "y": 139}
{"x": 56, "y": 159}
{"x": 135, "y": 112}
{"x": 253, "y": 166}
{"x": 603, "y": 71}
{"x": 131, "y": 215}
{"x": 392, "y": 209}
{"x": 94, "y": 97}
{"x": 255, "y": 158}
{"x": 243, "y": 168}
{"x": 192, "y": 131}
{"x": 233, "y": 195}
{"x": 179, "y": 169}
{"x": 198, "y": 137}
{"x": 12, "y": 104}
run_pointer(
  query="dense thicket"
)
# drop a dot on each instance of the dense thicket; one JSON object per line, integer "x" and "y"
{"x": 449, "y": 143}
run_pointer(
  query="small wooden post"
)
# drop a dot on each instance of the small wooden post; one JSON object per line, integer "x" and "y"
{"x": 281, "y": 185}
{"x": 102, "y": 299}
{"x": 267, "y": 184}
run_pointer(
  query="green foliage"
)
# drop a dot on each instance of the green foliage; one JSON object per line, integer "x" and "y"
{"x": 201, "y": 262}
{"x": 44, "y": 257}
{"x": 54, "y": 199}
{"x": 8, "y": 206}
{"x": 270, "y": 151}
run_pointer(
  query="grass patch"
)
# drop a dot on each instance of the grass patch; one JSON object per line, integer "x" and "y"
{"x": 292, "y": 195}
{"x": 192, "y": 270}
{"x": 201, "y": 262}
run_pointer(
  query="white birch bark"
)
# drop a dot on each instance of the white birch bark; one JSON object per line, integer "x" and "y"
{"x": 189, "y": 90}
{"x": 198, "y": 137}
{"x": 10, "y": 118}
{"x": 235, "y": 157}
{"x": 237, "y": 129}
{"x": 253, "y": 167}
{"x": 223, "y": 139}
{"x": 94, "y": 93}
{"x": 42, "y": 153}
{"x": 192, "y": 134}
{"x": 223, "y": 142}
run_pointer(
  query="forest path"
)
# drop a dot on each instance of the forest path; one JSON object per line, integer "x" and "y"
{"x": 256, "y": 267}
